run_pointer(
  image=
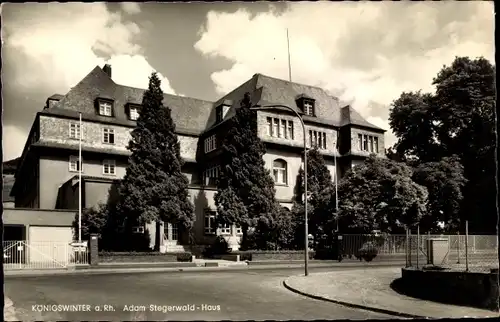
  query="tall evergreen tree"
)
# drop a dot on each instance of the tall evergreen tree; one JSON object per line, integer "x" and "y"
{"x": 321, "y": 191}
{"x": 154, "y": 188}
{"x": 245, "y": 190}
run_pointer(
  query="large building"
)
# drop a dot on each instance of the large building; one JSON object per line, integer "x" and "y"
{"x": 47, "y": 174}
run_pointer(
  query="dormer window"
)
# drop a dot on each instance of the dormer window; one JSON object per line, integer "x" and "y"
{"x": 133, "y": 112}
{"x": 308, "y": 108}
{"x": 306, "y": 104}
{"x": 221, "y": 110}
{"x": 105, "y": 107}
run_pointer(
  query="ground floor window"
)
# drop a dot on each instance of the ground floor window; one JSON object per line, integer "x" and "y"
{"x": 210, "y": 222}
{"x": 225, "y": 229}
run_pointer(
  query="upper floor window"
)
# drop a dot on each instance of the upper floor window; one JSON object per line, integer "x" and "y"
{"x": 368, "y": 143}
{"x": 309, "y": 108}
{"x": 74, "y": 164}
{"x": 105, "y": 108}
{"x": 109, "y": 167}
{"x": 279, "y": 128}
{"x": 210, "y": 143}
{"x": 317, "y": 139}
{"x": 133, "y": 113}
{"x": 209, "y": 222}
{"x": 74, "y": 130}
{"x": 210, "y": 175}
{"x": 280, "y": 171}
{"x": 108, "y": 136}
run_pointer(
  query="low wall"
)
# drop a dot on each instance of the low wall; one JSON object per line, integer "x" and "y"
{"x": 453, "y": 287}
{"x": 255, "y": 255}
{"x": 141, "y": 257}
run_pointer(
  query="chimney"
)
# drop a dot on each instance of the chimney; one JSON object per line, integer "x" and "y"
{"x": 107, "y": 69}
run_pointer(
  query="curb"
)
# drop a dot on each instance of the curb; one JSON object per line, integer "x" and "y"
{"x": 354, "y": 306}
{"x": 134, "y": 270}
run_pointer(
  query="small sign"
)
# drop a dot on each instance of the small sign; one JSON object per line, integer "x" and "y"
{"x": 20, "y": 248}
{"x": 94, "y": 237}
{"x": 339, "y": 237}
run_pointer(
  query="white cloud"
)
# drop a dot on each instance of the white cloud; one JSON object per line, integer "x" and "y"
{"x": 131, "y": 8}
{"x": 56, "y": 45}
{"x": 369, "y": 52}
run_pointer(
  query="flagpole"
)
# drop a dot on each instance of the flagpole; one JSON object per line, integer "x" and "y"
{"x": 80, "y": 182}
{"x": 289, "y": 62}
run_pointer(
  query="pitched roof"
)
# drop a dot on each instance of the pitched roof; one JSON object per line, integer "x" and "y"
{"x": 189, "y": 114}
{"x": 193, "y": 115}
{"x": 267, "y": 90}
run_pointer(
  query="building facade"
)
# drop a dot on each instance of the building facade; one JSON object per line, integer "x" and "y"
{"x": 47, "y": 174}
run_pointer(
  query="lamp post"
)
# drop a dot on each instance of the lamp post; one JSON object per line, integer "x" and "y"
{"x": 306, "y": 228}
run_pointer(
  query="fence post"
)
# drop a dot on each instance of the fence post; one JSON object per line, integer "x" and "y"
{"x": 406, "y": 252}
{"x": 93, "y": 250}
{"x": 418, "y": 243}
{"x": 458, "y": 246}
{"x": 410, "y": 239}
{"x": 466, "y": 245}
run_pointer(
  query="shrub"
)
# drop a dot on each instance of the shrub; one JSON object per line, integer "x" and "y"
{"x": 184, "y": 257}
{"x": 219, "y": 247}
{"x": 367, "y": 252}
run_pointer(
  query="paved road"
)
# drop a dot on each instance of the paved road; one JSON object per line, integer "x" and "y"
{"x": 217, "y": 295}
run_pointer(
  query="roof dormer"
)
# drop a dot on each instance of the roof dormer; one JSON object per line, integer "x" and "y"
{"x": 51, "y": 101}
{"x": 221, "y": 110}
{"x": 132, "y": 111}
{"x": 104, "y": 106}
{"x": 306, "y": 104}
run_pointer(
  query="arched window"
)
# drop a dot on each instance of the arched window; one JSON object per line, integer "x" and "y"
{"x": 280, "y": 171}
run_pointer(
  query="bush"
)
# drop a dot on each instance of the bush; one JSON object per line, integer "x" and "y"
{"x": 367, "y": 252}
{"x": 219, "y": 247}
{"x": 184, "y": 257}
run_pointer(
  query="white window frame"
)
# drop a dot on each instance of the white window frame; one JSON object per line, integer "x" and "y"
{"x": 290, "y": 130}
{"x": 276, "y": 127}
{"x": 225, "y": 229}
{"x": 370, "y": 143}
{"x": 210, "y": 173}
{"x": 210, "y": 215}
{"x": 238, "y": 230}
{"x": 105, "y": 108}
{"x": 375, "y": 143}
{"x": 269, "y": 129}
{"x": 106, "y": 135}
{"x": 280, "y": 172}
{"x": 133, "y": 113}
{"x": 110, "y": 165}
{"x": 73, "y": 163}
{"x": 308, "y": 108}
{"x": 74, "y": 130}
{"x": 210, "y": 143}
{"x": 283, "y": 128}
{"x": 138, "y": 230}
{"x": 360, "y": 139}
{"x": 365, "y": 142}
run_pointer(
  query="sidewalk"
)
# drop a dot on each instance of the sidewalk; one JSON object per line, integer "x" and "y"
{"x": 9, "y": 313}
{"x": 128, "y": 268}
{"x": 370, "y": 289}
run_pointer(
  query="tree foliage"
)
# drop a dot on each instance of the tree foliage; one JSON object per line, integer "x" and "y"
{"x": 444, "y": 181}
{"x": 321, "y": 192}
{"x": 154, "y": 188}
{"x": 245, "y": 190}
{"x": 380, "y": 195}
{"x": 94, "y": 221}
{"x": 458, "y": 119}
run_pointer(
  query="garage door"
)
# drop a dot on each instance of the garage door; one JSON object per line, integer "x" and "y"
{"x": 49, "y": 246}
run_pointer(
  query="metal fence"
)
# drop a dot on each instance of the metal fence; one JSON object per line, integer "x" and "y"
{"x": 478, "y": 253}
{"x": 43, "y": 255}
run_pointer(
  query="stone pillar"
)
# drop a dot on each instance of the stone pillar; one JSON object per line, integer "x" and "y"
{"x": 94, "y": 250}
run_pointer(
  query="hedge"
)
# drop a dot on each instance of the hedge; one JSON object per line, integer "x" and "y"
{"x": 261, "y": 255}
{"x": 145, "y": 257}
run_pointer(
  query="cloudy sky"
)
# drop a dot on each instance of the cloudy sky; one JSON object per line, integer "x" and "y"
{"x": 364, "y": 53}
